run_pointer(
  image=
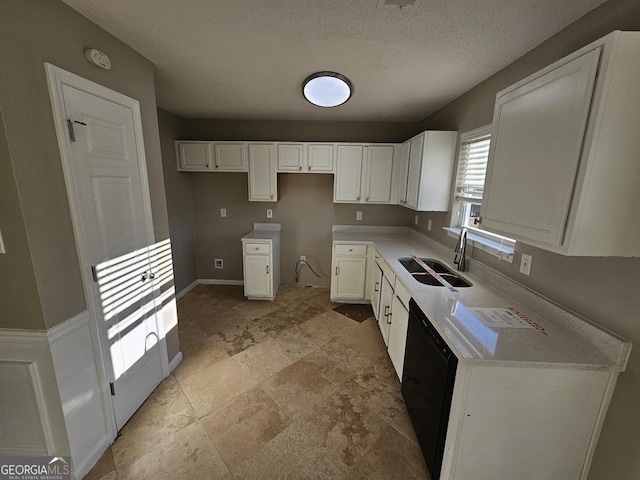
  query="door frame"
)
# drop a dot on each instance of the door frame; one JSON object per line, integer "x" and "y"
{"x": 56, "y": 78}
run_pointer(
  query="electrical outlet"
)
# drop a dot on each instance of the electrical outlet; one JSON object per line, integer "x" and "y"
{"x": 269, "y": 213}
{"x": 415, "y": 219}
{"x": 358, "y": 215}
{"x": 428, "y": 224}
{"x": 219, "y": 263}
{"x": 525, "y": 264}
{"x": 223, "y": 212}
{"x": 303, "y": 257}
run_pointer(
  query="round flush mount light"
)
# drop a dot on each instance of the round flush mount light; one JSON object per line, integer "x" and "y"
{"x": 327, "y": 89}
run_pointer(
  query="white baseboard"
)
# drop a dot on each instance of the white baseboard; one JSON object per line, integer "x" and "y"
{"x": 87, "y": 463}
{"x": 186, "y": 290}
{"x": 217, "y": 281}
{"x": 175, "y": 361}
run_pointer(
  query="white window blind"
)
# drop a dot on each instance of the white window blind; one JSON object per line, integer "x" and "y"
{"x": 472, "y": 167}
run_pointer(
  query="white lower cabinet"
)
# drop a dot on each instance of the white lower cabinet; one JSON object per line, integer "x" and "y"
{"x": 261, "y": 265}
{"x": 376, "y": 290}
{"x": 386, "y": 307}
{"x": 398, "y": 334}
{"x": 349, "y": 272}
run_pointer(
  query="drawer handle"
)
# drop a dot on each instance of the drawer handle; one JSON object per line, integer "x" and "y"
{"x": 337, "y": 270}
{"x": 267, "y": 269}
{"x": 257, "y": 248}
{"x": 367, "y": 199}
{"x": 375, "y": 287}
{"x": 299, "y": 168}
{"x": 351, "y": 249}
{"x": 389, "y": 319}
{"x": 358, "y": 198}
{"x": 386, "y": 311}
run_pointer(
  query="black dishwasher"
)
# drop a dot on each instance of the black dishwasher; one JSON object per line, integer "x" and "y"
{"x": 427, "y": 386}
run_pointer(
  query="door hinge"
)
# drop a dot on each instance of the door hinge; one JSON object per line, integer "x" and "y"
{"x": 94, "y": 273}
{"x": 112, "y": 387}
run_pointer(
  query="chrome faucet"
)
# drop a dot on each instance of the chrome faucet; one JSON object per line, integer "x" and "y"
{"x": 460, "y": 259}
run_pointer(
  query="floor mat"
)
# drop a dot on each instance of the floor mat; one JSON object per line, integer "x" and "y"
{"x": 354, "y": 311}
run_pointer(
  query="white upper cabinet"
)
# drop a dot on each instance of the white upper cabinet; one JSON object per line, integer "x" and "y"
{"x": 379, "y": 173}
{"x": 403, "y": 172}
{"x": 320, "y": 157}
{"x": 347, "y": 184}
{"x": 193, "y": 156}
{"x": 262, "y": 173}
{"x": 365, "y": 174}
{"x": 290, "y": 157}
{"x": 429, "y": 171}
{"x": 563, "y": 166}
{"x": 229, "y": 157}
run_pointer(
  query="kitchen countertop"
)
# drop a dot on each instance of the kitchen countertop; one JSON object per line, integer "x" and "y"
{"x": 263, "y": 231}
{"x": 564, "y": 340}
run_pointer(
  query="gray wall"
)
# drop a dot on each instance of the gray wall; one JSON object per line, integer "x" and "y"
{"x": 305, "y": 210}
{"x": 17, "y": 278}
{"x": 32, "y": 33}
{"x": 604, "y": 290}
{"x": 179, "y": 191}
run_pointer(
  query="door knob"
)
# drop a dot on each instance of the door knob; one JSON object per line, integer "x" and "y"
{"x": 144, "y": 276}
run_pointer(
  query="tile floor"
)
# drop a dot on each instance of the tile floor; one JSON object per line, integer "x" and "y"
{"x": 287, "y": 389}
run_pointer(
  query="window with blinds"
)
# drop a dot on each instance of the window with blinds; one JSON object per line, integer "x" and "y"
{"x": 472, "y": 167}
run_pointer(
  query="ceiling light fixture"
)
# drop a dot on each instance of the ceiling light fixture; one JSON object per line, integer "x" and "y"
{"x": 327, "y": 89}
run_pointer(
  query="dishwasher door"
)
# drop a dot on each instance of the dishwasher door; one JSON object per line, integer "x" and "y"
{"x": 427, "y": 386}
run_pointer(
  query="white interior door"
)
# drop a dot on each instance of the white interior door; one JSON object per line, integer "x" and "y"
{"x": 114, "y": 215}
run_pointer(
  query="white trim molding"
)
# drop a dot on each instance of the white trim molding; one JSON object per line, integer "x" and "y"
{"x": 173, "y": 364}
{"x": 32, "y": 417}
{"x": 217, "y": 281}
{"x": 186, "y": 290}
{"x": 72, "y": 350}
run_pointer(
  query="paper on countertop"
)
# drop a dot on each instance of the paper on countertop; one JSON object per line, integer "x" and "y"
{"x": 502, "y": 317}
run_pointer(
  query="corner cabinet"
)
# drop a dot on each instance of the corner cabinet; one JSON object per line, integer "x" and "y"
{"x": 563, "y": 176}
{"x": 426, "y": 171}
{"x": 365, "y": 173}
{"x": 193, "y": 156}
{"x": 261, "y": 265}
{"x": 349, "y": 272}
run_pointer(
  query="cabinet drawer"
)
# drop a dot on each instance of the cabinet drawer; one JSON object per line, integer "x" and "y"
{"x": 389, "y": 273}
{"x": 257, "y": 248}
{"x": 351, "y": 250}
{"x": 403, "y": 294}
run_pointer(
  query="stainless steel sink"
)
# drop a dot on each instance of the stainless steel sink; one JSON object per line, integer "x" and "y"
{"x": 422, "y": 276}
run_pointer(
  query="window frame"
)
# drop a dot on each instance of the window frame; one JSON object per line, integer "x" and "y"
{"x": 497, "y": 245}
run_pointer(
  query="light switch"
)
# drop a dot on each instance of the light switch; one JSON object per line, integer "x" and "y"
{"x": 269, "y": 213}
{"x": 358, "y": 215}
{"x": 525, "y": 264}
{"x": 223, "y": 212}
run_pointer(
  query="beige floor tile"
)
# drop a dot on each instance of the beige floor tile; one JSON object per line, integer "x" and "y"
{"x": 253, "y": 309}
{"x": 243, "y": 425}
{"x": 104, "y": 467}
{"x": 299, "y": 341}
{"x": 304, "y": 310}
{"x": 216, "y": 385}
{"x": 265, "y": 358}
{"x": 343, "y": 426}
{"x": 275, "y": 323}
{"x": 298, "y": 387}
{"x": 393, "y": 457}
{"x": 323, "y": 299}
{"x": 188, "y": 453}
{"x": 239, "y": 336}
{"x": 166, "y": 411}
{"x": 331, "y": 323}
{"x": 289, "y": 456}
{"x": 337, "y": 362}
{"x": 208, "y": 353}
{"x": 402, "y": 423}
{"x": 364, "y": 339}
{"x": 110, "y": 476}
{"x": 288, "y": 295}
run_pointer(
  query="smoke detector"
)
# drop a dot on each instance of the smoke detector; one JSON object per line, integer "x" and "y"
{"x": 398, "y": 4}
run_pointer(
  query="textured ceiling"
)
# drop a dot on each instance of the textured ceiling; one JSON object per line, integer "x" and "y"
{"x": 246, "y": 59}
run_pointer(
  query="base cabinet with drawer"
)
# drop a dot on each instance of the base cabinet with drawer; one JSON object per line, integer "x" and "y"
{"x": 349, "y": 272}
{"x": 261, "y": 265}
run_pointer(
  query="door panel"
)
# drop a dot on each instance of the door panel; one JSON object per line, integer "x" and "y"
{"x": 404, "y": 173}
{"x": 257, "y": 277}
{"x": 117, "y": 232}
{"x": 290, "y": 157}
{"x": 415, "y": 168}
{"x": 262, "y": 173}
{"x": 194, "y": 156}
{"x": 348, "y": 173}
{"x": 321, "y": 158}
{"x": 398, "y": 335}
{"x": 379, "y": 173}
{"x": 375, "y": 294}
{"x": 229, "y": 157}
{"x": 349, "y": 275}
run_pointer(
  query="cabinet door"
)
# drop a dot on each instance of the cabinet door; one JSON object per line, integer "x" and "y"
{"x": 262, "y": 173}
{"x": 404, "y": 173}
{"x": 348, "y": 277}
{"x": 398, "y": 335}
{"x": 194, "y": 156}
{"x": 230, "y": 157}
{"x": 290, "y": 157}
{"x": 386, "y": 306}
{"x": 257, "y": 276}
{"x": 536, "y": 144}
{"x": 375, "y": 290}
{"x": 414, "y": 171}
{"x": 379, "y": 173}
{"x": 348, "y": 174}
{"x": 321, "y": 158}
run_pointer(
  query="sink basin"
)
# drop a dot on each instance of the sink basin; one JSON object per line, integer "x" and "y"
{"x": 423, "y": 277}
